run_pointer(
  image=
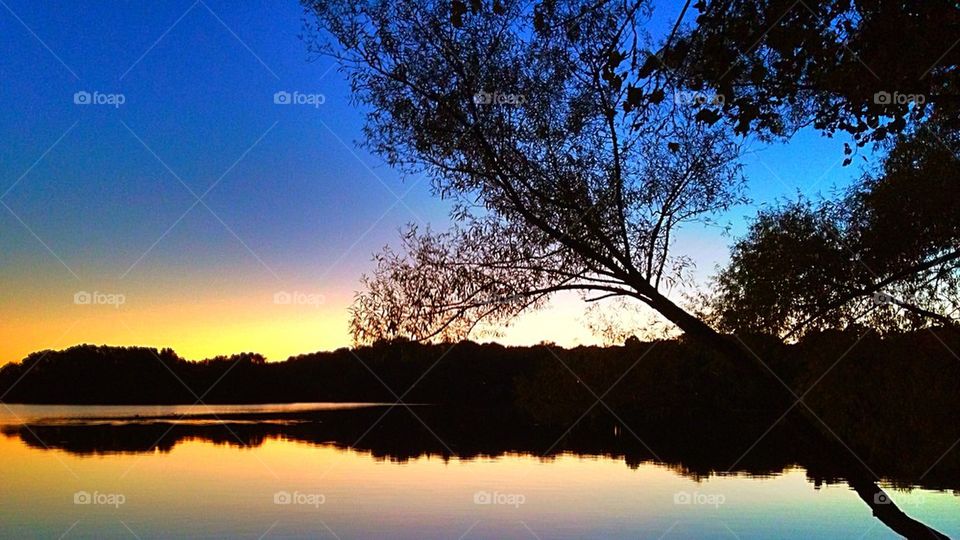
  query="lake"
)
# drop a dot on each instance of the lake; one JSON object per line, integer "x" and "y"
{"x": 371, "y": 471}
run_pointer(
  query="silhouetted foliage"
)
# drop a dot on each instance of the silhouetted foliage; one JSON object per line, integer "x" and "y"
{"x": 465, "y": 372}
{"x": 579, "y": 180}
{"x": 885, "y": 255}
{"x": 867, "y": 68}
{"x": 544, "y": 383}
{"x": 520, "y": 115}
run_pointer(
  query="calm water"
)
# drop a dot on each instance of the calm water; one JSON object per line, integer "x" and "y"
{"x": 278, "y": 472}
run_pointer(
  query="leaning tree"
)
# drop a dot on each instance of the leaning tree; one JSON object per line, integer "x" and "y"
{"x": 560, "y": 183}
{"x": 575, "y": 145}
{"x": 570, "y": 158}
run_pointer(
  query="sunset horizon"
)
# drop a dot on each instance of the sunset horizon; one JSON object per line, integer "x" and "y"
{"x": 417, "y": 269}
{"x": 276, "y": 215}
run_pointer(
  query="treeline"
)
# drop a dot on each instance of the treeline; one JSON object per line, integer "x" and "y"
{"x": 543, "y": 379}
{"x": 905, "y": 377}
{"x": 881, "y": 395}
{"x": 88, "y": 374}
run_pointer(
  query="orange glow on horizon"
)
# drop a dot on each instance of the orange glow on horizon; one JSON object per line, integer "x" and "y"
{"x": 202, "y": 327}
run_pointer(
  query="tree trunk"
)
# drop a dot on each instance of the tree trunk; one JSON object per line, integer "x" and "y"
{"x": 694, "y": 327}
{"x": 857, "y": 474}
{"x": 889, "y": 514}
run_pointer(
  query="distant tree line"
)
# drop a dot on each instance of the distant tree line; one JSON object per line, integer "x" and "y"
{"x": 88, "y": 374}
{"x": 545, "y": 383}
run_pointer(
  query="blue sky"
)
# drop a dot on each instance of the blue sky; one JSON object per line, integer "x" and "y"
{"x": 199, "y": 99}
{"x": 98, "y": 197}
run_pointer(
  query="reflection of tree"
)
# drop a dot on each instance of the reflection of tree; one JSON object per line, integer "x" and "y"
{"x": 699, "y": 448}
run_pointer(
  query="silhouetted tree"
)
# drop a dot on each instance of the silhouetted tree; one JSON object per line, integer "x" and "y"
{"x": 548, "y": 125}
{"x": 887, "y": 254}
{"x": 520, "y": 116}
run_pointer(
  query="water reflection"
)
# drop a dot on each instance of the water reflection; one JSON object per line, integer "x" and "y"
{"x": 696, "y": 449}
{"x": 478, "y": 463}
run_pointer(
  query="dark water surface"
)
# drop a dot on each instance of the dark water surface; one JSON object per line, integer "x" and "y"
{"x": 367, "y": 470}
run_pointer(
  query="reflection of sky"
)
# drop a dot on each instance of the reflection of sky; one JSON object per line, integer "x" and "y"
{"x": 101, "y": 198}
{"x": 201, "y": 490}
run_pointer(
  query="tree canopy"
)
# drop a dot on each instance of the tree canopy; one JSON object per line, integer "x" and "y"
{"x": 574, "y": 145}
{"x": 521, "y": 116}
{"x": 549, "y": 125}
{"x": 866, "y": 68}
{"x": 886, "y": 254}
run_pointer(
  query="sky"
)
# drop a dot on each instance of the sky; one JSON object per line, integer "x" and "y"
{"x": 153, "y": 193}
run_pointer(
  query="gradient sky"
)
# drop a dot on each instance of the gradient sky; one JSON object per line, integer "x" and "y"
{"x": 103, "y": 198}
